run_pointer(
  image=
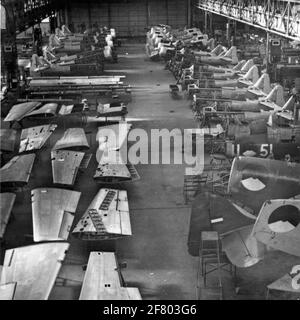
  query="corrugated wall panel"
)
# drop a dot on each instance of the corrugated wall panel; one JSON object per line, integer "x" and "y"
{"x": 177, "y": 12}
{"x": 129, "y": 17}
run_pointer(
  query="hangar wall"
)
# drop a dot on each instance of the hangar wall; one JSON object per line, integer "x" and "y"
{"x": 129, "y": 17}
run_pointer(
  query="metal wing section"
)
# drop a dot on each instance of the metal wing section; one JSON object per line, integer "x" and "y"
{"x": 17, "y": 170}
{"x": 47, "y": 110}
{"x": 53, "y": 213}
{"x": 18, "y": 111}
{"x": 112, "y": 137}
{"x": 65, "y": 165}
{"x": 102, "y": 280}
{"x": 7, "y": 139}
{"x": 107, "y": 217}
{"x": 33, "y": 269}
{"x": 7, "y": 201}
{"x": 7, "y": 291}
{"x": 35, "y": 137}
{"x": 73, "y": 138}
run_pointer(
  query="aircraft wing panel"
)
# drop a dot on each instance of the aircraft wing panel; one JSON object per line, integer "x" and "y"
{"x": 65, "y": 165}
{"x": 112, "y": 137}
{"x": 102, "y": 280}
{"x": 7, "y": 201}
{"x": 53, "y": 213}
{"x": 48, "y": 109}
{"x": 7, "y": 139}
{"x": 106, "y": 217}
{"x": 111, "y": 171}
{"x": 72, "y": 138}
{"x": 7, "y": 291}
{"x": 18, "y": 169}
{"x": 18, "y": 111}
{"x": 35, "y": 137}
{"x": 66, "y": 109}
{"x": 34, "y": 269}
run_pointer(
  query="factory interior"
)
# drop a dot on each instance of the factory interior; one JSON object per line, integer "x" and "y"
{"x": 150, "y": 150}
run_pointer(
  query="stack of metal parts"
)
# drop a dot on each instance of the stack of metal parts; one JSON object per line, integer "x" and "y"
{"x": 51, "y": 103}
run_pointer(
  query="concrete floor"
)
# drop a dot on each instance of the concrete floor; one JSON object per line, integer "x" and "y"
{"x": 157, "y": 258}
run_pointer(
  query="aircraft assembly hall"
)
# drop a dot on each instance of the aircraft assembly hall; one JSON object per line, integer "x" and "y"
{"x": 150, "y": 150}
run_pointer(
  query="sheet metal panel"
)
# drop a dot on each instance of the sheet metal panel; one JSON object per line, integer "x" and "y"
{"x": 7, "y": 201}
{"x": 18, "y": 169}
{"x": 52, "y": 213}
{"x": 34, "y": 138}
{"x": 112, "y": 215}
{"x": 7, "y": 139}
{"x": 102, "y": 280}
{"x": 34, "y": 269}
{"x": 280, "y": 180}
{"x": 288, "y": 241}
{"x": 65, "y": 165}
{"x": 72, "y": 138}
{"x": 18, "y": 111}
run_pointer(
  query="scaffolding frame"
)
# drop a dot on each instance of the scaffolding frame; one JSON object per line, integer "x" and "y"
{"x": 280, "y": 17}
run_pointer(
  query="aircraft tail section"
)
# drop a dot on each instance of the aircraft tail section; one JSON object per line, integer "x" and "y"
{"x": 218, "y": 50}
{"x": 239, "y": 66}
{"x": 263, "y": 83}
{"x": 289, "y": 104}
{"x": 247, "y": 66}
{"x": 252, "y": 74}
{"x": 232, "y": 53}
{"x": 211, "y": 43}
{"x": 276, "y": 95}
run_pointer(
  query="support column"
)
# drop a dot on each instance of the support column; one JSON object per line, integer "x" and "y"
{"x": 147, "y": 13}
{"x": 268, "y": 51}
{"x": 89, "y": 14}
{"x": 109, "y": 15}
{"x": 9, "y": 54}
{"x": 234, "y": 32}
{"x": 189, "y": 14}
{"x": 228, "y": 32}
{"x": 211, "y": 24}
{"x": 205, "y": 21}
{"x": 167, "y": 11}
